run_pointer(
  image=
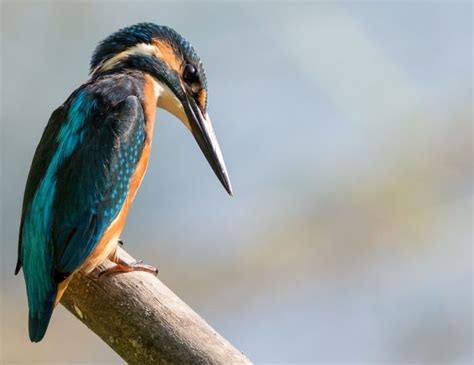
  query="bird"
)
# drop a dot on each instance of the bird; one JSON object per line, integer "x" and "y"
{"x": 93, "y": 155}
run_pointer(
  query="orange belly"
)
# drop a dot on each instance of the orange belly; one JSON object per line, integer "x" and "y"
{"x": 107, "y": 245}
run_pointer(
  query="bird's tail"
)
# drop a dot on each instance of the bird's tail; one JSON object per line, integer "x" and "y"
{"x": 38, "y": 319}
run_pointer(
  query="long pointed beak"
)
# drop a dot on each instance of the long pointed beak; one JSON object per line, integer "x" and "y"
{"x": 202, "y": 130}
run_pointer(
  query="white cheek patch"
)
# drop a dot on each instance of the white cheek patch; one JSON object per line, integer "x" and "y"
{"x": 167, "y": 100}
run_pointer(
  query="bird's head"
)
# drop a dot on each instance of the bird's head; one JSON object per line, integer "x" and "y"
{"x": 179, "y": 79}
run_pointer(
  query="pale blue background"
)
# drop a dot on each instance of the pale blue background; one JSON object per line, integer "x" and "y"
{"x": 347, "y": 131}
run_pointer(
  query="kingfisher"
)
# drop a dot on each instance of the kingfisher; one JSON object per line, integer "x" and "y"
{"x": 94, "y": 153}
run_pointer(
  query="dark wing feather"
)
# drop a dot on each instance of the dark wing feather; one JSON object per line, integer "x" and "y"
{"x": 93, "y": 184}
{"x": 42, "y": 157}
{"x": 77, "y": 184}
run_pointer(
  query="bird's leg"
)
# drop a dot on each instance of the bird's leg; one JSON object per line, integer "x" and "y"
{"x": 123, "y": 266}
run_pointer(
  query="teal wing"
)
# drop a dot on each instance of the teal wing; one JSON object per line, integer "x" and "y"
{"x": 72, "y": 198}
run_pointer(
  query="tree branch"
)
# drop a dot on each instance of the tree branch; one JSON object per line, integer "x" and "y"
{"x": 144, "y": 321}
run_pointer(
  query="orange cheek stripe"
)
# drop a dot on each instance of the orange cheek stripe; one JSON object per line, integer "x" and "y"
{"x": 202, "y": 99}
{"x": 168, "y": 54}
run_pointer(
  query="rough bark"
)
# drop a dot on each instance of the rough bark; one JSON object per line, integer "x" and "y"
{"x": 142, "y": 320}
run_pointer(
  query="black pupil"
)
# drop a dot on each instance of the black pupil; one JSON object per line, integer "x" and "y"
{"x": 190, "y": 74}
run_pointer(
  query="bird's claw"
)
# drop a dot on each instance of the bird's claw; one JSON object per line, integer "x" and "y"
{"x": 122, "y": 266}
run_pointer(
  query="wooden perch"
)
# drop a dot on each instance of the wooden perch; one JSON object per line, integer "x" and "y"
{"x": 144, "y": 321}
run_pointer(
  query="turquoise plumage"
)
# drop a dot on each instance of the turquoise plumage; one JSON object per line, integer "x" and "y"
{"x": 97, "y": 138}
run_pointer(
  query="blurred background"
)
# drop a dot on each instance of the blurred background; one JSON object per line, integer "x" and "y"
{"x": 347, "y": 131}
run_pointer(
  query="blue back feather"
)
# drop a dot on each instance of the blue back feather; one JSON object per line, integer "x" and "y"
{"x": 81, "y": 189}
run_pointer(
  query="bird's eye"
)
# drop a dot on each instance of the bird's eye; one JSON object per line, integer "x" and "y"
{"x": 190, "y": 75}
